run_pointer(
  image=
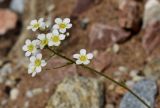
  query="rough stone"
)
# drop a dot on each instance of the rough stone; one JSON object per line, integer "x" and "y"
{"x": 151, "y": 12}
{"x": 103, "y": 36}
{"x": 17, "y": 6}
{"x": 130, "y": 14}
{"x": 14, "y": 94}
{"x": 78, "y": 92}
{"x": 152, "y": 69}
{"x": 8, "y": 20}
{"x": 151, "y": 38}
{"x": 83, "y": 5}
{"x": 146, "y": 89}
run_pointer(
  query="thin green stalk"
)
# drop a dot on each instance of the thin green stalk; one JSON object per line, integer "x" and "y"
{"x": 100, "y": 73}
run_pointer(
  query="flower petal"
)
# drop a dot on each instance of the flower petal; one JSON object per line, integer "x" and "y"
{"x": 34, "y": 74}
{"x": 86, "y": 62}
{"x": 56, "y": 43}
{"x": 50, "y": 43}
{"x": 32, "y": 59}
{"x": 66, "y": 20}
{"x": 34, "y": 29}
{"x": 24, "y": 48}
{"x": 49, "y": 35}
{"x": 62, "y": 30}
{"x": 83, "y": 52}
{"x": 28, "y": 42}
{"x": 41, "y": 36}
{"x": 58, "y": 20}
{"x": 39, "y": 56}
{"x": 38, "y": 69}
{"x": 76, "y": 56}
{"x": 43, "y": 63}
{"x": 89, "y": 55}
{"x": 62, "y": 36}
{"x": 55, "y": 32}
{"x": 56, "y": 26}
{"x": 33, "y": 22}
{"x": 41, "y": 20}
{"x": 78, "y": 62}
{"x": 27, "y": 54}
{"x": 69, "y": 26}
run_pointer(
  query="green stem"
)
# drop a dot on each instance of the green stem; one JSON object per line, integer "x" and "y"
{"x": 100, "y": 73}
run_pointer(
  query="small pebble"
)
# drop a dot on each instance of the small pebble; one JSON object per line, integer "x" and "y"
{"x": 37, "y": 91}
{"x": 130, "y": 83}
{"x": 84, "y": 23}
{"x": 2, "y": 79}
{"x": 29, "y": 94}
{"x": 133, "y": 73}
{"x": 111, "y": 87}
{"x": 4, "y": 102}
{"x": 109, "y": 106}
{"x": 26, "y": 104}
{"x": 137, "y": 78}
{"x": 116, "y": 48}
{"x": 123, "y": 69}
{"x": 51, "y": 8}
{"x": 14, "y": 94}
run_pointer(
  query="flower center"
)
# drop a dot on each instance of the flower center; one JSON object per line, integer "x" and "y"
{"x": 44, "y": 42}
{"x": 62, "y": 25}
{"x": 30, "y": 47}
{"x": 55, "y": 39}
{"x": 83, "y": 58}
{"x": 37, "y": 62}
{"x": 36, "y": 25}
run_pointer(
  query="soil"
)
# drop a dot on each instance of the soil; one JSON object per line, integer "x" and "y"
{"x": 131, "y": 55}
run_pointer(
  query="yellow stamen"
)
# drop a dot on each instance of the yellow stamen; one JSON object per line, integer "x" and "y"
{"x": 83, "y": 58}
{"x": 37, "y": 62}
{"x": 55, "y": 39}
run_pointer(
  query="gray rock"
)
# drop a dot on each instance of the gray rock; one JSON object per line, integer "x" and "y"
{"x": 17, "y": 5}
{"x": 146, "y": 89}
{"x": 151, "y": 12}
{"x": 78, "y": 92}
{"x": 152, "y": 69}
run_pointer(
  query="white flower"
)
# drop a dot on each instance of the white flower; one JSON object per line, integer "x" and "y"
{"x": 83, "y": 58}
{"x": 30, "y": 47}
{"x": 37, "y": 24}
{"x": 36, "y": 64}
{"x": 55, "y": 38}
{"x": 62, "y": 25}
{"x": 43, "y": 41}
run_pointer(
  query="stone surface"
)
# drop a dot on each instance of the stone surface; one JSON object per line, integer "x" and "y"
{"x": 8, "y": 20}
{"x": 17, "y": 6}
{"x": 101, "y": 61}
{"x": 152, "y": 69}
{"x": 83, "y": 5}
{"x": 146, "y": 89}
{"x": 151, "y": 12}
{"x": 78, "y": 92}
{"x": 130, "y": 14}
{"x": 103, "y": 36}
{"x": 151, "y": 38}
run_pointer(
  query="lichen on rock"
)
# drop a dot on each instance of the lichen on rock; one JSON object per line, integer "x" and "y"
{"x": 78, "y": 92}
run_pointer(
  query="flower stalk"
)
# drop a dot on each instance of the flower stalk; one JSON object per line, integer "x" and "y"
{"x": 101, "y": 74}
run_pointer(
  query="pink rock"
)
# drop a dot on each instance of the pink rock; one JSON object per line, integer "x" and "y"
{"x": 130, "y": 14}
{"x": 151, "y": 39}
{"x": 102, "y": 61}
{"x": 54, "y": 76}
{"x": 83, "y": 5}
{"x": 102, "y": 36}
{"x": 8, "y": 20}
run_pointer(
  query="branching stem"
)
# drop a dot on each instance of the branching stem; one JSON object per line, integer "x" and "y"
{"x": 101, "y": 74}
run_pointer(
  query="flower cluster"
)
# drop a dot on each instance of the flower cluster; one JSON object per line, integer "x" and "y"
{"x": 53, "y": 38}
